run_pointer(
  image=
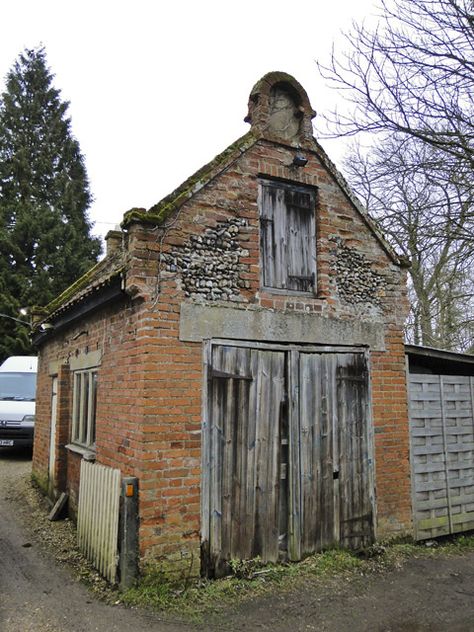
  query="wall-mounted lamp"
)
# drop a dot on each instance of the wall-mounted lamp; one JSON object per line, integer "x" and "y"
{"x": 46, "y": 326}
{"x": 299, "y": 160}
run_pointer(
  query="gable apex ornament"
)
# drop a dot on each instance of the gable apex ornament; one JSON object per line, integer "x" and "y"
{"x": 279, "y": 108}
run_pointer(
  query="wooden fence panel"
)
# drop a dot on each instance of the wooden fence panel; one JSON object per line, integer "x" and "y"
{"x": 442, "y": 453}
{"x": 459, "y": 432}
{"x": 98, "y": 516}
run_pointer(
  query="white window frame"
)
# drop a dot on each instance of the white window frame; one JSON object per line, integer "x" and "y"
{"x": 84, "y": 407}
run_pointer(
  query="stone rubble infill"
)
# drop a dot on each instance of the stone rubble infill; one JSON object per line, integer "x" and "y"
{"x": 209, "y": 264}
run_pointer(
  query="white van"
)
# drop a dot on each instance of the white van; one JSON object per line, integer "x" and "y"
{"x": 17, "y": 401}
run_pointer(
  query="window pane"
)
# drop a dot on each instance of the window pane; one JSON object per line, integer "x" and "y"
{"x": 84, "y": 408}
{"x": 93, "y": 377}
{"x": 77, "y": 406}
{"x": 17, "y": 387}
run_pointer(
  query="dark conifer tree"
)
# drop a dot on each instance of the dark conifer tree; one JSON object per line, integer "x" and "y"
{"x": 45, "y": 235}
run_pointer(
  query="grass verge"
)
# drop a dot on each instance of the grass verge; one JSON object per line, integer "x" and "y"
{"x": 197, "y": 600}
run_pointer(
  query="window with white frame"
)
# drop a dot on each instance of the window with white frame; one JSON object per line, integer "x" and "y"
{"x": 287, "y": 236}
{"x": 84, "y": 408}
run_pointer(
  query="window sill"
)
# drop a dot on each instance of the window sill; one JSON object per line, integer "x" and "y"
{"x": 283, "y": 292}
{"x": 87, "y": 453}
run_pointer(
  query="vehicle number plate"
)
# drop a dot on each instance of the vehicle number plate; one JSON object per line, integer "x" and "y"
{"x": 6, "y": 442}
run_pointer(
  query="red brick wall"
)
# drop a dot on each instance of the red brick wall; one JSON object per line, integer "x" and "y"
{"x": 390, "y": 419}
{"x": 149, "y": 411}
{"x": 42, "y": 427}
{"x": 113, "y": 332}
{"x": 170, "y": 482}
{"x": 63, "y": 424}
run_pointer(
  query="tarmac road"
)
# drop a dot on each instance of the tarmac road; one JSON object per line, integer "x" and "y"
{"x": 39, "y": 595}
{"x": 36, "y": 594}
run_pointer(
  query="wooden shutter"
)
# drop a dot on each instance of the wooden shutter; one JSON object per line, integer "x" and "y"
{"x": 288, "y": 236}
{"x": 301, "y": 240}
{"x": 273, "y": 236}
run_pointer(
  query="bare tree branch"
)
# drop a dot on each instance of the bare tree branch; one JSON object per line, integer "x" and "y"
{"x": 413, "y": 74}
{"x": 427, "y": 212}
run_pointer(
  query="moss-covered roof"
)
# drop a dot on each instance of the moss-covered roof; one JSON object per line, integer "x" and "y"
{"x": 158, "y": 213}
{"x": 98, "y": 276}
{"x": 161, "y": 211}
{"x": 113, "y": 265}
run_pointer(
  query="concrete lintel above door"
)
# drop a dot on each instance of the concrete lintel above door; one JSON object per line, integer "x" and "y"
{"x": 203, "y": 322}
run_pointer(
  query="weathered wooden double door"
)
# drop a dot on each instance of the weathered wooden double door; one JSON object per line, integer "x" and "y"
{"x": 287, "y": 467}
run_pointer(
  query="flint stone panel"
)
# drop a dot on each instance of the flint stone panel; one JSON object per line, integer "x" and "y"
{"x": 357, "y": 282}
{"x": 209, "y": 264}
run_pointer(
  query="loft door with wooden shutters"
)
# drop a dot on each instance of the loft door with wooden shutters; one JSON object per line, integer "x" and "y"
{"x": 288, "y": 236}
{"x": 289, "y": 454}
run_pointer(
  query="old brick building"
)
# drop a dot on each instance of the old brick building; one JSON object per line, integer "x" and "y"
{"x": 240, "y": 351}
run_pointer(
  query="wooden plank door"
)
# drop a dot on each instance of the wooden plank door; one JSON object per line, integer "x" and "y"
{"x": 247, "y": 397}
{"x": 336, "y": 490}
{"x": 318, "y": 519}
{"x": 356, "y": 497}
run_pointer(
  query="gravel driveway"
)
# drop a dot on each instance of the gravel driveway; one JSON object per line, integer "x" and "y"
{"x": 38, "y": 594}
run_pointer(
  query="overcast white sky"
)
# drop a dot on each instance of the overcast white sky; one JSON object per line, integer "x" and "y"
{"x": 157, "y": 88}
